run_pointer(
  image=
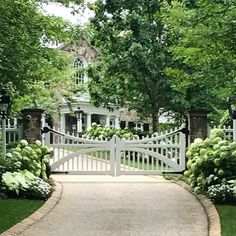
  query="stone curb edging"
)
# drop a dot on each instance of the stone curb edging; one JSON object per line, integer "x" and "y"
{"x": 37, "y": 215}
{"x": 214, "y": 228}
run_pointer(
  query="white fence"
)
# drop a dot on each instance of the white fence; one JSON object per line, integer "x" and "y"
{"x": 150, "y": 155}
{"x": 230, "y": 131}
{"x": 13, "y": 131}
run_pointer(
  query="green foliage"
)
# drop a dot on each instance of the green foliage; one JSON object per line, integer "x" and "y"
{"x": 176, "y": 56}
{"x": 97, "y": 131}
{"x": 233, "y": 185}
{"x": 131, "y": 71}
{"x": 17, "y": 181}
{"x": 25, "y": 183}
{"x": 219, "y": 118}
{"x": 33, "y": 72}
{"x": 221, "y": 193}
{"x": 39, "y": 189}
{"x": 162, "y": 127}
{"x": 175, "y": 177}
{"x": 24, "y": 170}
{"x": 211, "y": 162}
{"x": 31, "y": 157}
{"x": 24, "y": 34}
{"x": 204, "y": 47}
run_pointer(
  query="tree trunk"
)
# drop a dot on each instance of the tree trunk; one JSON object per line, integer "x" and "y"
{"x": 155, "y": 122}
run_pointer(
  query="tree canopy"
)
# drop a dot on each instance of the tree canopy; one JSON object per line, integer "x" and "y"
{"x": 157, "y": 56}
{"x": 131, "y": 71}
{"x": 163, "y": 55}
{"x": 205, "y": 45}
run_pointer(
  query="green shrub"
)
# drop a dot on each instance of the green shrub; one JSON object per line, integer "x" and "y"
{"x": 31, "y": 157}
{"x": 162, "y": 127}
{"x": 100, "y": 132}
{"x": 232, "y": 183}
{"x": 221, "y": 193}
{"x": 211, "y": 161}
{"x": 39, "y": 189}
{"x": 17, "y": 181}
{"x": 24, "y": 183}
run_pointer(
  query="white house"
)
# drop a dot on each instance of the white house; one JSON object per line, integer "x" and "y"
{"x": 84, "y": 54}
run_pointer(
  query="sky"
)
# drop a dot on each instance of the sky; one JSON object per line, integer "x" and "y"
{"x": 59, "y": 10}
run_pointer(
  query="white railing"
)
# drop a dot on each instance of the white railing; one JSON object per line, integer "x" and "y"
{"x": 13, "y": 131}
{"x": 159, "y": 153}
{"x": 230, "y": 132}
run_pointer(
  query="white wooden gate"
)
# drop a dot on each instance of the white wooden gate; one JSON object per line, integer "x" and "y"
{"x": 155, "y": 155}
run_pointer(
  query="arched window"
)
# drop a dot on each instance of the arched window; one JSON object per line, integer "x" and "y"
{"x": 79, "y": 76}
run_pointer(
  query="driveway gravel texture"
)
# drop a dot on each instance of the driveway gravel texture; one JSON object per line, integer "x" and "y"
{"x": 122, "y": 206}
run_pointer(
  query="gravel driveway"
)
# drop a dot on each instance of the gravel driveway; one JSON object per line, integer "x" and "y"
{"x": 122, "y": 206}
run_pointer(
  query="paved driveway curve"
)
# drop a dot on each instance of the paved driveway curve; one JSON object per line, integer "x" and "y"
{"x": 123, "y": 206}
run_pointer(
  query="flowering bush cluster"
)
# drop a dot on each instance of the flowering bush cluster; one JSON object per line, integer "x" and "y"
{"x": 39, "y": 188}
{"x": 211, "y": 162}
{"x": 31, "y": 157}
{"x": 100, "y": 132}
{"x": 17, "y": 181}
{"x": 24, "y": 170}
{"x": 221, "y": 193}
{"x": 26, "y": 184}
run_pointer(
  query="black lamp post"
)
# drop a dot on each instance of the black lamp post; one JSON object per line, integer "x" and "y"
{"x": 78, "y": 113}
{"x": 5, "y": 104}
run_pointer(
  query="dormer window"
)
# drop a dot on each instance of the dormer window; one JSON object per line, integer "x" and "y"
{"x": 79, "y": 75}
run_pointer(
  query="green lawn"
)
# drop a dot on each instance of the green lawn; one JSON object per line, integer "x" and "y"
{"x": 128, "y": 162}
{"x": 13, "y": 211}
{"x": 138, "y": 164}
{"x": 227, "y": 215}
{"x": 175, "y": 177}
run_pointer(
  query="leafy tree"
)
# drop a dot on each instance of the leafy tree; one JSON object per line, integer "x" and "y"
{"x": 131, "y": 71}
{"x": 205, "y": 48}
{"x": 34, "y": 72}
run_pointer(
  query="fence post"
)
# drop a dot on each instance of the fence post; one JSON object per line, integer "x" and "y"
{"x": 197, "y": 124}
{"x": 32, "y": 124}
{"x": 43, "y": 124}
{"x": 234, "y": 129}
{"x": 182, "y": 148}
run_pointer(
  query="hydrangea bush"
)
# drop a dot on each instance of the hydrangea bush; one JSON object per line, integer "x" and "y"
{"x": 25, "y": 183}
{"x": 99, "y": 132}
{"x": 24, "y": 171}
{"x": 221, "y": 193}
{"x": 39, "y": 188}
{"x": 17, "y": 181}
{"x": 211, "y": 162}
{"x": 31, "y": 157}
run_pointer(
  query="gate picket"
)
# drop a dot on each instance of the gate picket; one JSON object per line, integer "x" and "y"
{"x": 154, "y": 155}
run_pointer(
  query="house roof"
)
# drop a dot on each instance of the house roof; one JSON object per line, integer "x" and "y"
{"x": 65, "y": 45}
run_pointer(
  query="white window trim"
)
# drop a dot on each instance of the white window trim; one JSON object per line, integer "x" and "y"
{"x": 85, "y": 64}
